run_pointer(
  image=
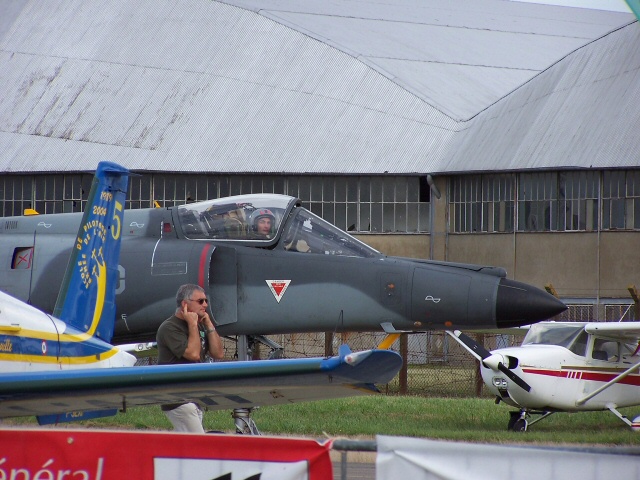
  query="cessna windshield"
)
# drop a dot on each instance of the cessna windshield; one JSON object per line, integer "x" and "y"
{"x": 260, "y": 219}
{"x": 572, "y": 337}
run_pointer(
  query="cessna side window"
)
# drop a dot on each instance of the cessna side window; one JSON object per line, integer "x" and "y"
{"x": 308, "y": 233}
{"x": 579, "y": 345}
{"x": 606, "y": 350}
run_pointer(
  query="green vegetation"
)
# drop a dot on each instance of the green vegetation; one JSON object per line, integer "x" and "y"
{"x": 460, "y": 419}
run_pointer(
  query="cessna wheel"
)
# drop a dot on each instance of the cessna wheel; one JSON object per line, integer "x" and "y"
{"x": 513, "y": 418}
{"x": 520, "y": 425}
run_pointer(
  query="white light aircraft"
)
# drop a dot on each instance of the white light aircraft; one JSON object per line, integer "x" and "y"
{"x": 564, "y": 367}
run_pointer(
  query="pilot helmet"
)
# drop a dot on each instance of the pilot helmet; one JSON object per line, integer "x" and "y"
{"x": 262, "y": 213}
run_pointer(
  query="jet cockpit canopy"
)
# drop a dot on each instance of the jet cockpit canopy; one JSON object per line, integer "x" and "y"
{"x": 235, "y": 218}
{"x": 267, "y": 220}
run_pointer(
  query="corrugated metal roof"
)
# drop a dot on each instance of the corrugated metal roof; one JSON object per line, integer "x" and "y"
{"x": 582, "y": 112}
{"x": 188, "y": 85}
{"x": 459, "y": 56}
{"x": 308, "y": 87}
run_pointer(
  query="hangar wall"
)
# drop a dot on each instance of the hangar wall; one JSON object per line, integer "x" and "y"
{"x": 400, "y": 245}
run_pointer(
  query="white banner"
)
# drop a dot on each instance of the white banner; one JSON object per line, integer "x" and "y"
{"x": 418, "y": 459}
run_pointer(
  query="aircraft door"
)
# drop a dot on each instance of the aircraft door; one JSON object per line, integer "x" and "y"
{"x": 223, "y": 285}
{"x": 17, "y": 265}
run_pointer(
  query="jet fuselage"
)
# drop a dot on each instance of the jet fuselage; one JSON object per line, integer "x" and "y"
{"x": 304, "y": 276}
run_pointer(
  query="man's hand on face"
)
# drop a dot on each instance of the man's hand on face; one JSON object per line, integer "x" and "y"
{"x": 189, "y": 317}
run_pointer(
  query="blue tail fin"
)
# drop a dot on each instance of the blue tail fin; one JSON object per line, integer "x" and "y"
{"x": 88, "y": 294}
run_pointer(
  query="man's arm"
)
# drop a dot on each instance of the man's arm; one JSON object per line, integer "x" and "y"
{"x": 216, "y": 349}
{"x": 192, "y": 352}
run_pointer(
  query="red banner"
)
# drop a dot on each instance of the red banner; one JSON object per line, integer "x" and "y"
{"x": 47, "y": 454}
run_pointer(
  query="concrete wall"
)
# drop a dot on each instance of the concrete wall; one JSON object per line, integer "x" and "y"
{"x": 569, "y": 261}
{"x": 405, "y": 245}
{"x": 483, "y": 249}
{"x": 578, "y": 264}
{"x": 619, "y": 262}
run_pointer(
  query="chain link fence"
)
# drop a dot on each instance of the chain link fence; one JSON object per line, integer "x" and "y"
{"x": 436, "y": 364}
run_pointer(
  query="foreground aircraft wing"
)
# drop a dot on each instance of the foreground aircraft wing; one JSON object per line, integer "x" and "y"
{"x": 222, "y": 385}
{"x": 628, "y": 332}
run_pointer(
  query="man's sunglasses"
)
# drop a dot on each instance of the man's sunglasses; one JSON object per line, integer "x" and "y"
{"x": 201, "y": 301}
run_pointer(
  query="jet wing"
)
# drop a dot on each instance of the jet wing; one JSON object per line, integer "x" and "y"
{"x": 628, "y": 332}
{"x": 223, "y": 385}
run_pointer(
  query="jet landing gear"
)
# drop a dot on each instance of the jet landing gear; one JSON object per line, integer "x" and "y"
{"x": 518, "y": 421}
{"x": 244, "y": 423}
{"x": 244, "y": 351}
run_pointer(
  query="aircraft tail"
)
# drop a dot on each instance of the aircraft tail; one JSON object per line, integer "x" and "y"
{"x": 88, "y": 290}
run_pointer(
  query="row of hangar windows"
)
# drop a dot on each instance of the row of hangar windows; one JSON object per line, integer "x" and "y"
{"x": 546, "y": 201}
{"x": 524, "y": 202}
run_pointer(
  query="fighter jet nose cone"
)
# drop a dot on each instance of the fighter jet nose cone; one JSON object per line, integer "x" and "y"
{"x": 521, "y": 304}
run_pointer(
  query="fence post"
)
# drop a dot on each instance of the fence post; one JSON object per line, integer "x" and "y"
{"x": 478, "y": 376}
{"x": 328, "y": 344}
{"x": 636, "y": 300}
{"x": 404, "y": 353}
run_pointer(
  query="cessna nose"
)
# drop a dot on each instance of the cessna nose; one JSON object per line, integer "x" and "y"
{"x": 494, "y": 361}
{"x": 520, "y": 304}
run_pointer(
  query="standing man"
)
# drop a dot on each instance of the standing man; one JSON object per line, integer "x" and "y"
{"x": 187, "y": 337}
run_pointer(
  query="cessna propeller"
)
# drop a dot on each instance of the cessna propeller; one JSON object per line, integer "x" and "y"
{"x": 494, "y": 361}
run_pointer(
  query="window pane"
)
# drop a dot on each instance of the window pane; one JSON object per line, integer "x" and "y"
{"x": 328, "y": 189}
{"x": 341, "y": 216}
{"x": 365, "y": 217}
{"x": 376, "y": 189}
{"x": 352, "y": 217}
{"x": 376, "y": 217}
{"x": 340, "y": 189}
{"x": 279, "y": 184}
{"x": 353, "y": 193}
{"x": 388, "y": 220}
{"x": 365, "y": 189}
{"x": 388, "y": 189}
{"x": 617, "y": 213}
{"x": 293, "y": 187}
{"x": 401, "y": 189}
{"x": 424, "y": 217}
{"x": 400, "y": 217}
{"x": 412, "y": 217}
{"x": 304, "y": 189}
{"x": 315, "y": 184}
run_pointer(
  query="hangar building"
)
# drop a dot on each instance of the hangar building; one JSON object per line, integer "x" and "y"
{"x": 482, "y": 131}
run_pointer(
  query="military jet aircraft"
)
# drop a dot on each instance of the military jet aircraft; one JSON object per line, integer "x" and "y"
{"x": 269, "y": 266}
{"x": 64, "y": 369}
{"x": 564, "y": 367}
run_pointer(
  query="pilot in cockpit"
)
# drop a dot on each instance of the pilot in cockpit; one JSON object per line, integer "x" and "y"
{"x": 262, "y": 222}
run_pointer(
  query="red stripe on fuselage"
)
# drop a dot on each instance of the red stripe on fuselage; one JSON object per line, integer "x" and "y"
{"x": 591, "y": 375}
{"x": 203, "y": 264}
